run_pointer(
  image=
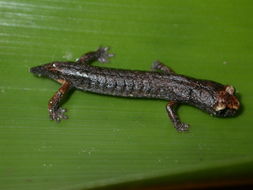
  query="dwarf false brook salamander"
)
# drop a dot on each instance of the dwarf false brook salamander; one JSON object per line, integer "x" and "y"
{"x": 161, "y": 83}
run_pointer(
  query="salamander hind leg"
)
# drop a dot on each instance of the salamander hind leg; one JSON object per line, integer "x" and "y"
{"x": 158, "y": 66}
{"x": 56, "y": 112}
{"x": 171, "y": 109}
{"x": 102, "y": 55}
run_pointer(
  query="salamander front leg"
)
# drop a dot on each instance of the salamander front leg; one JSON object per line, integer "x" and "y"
{"x": 55, "y": 111}
{"x": 158, "y": 66}
{"x": 102, "y": 55}
{"x": 170, "y": 107}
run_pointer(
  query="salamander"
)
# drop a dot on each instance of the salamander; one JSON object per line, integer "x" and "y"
{"x": 160, "y": 83}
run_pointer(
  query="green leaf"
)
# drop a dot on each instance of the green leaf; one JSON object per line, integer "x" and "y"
{"x": 110, "y": 140}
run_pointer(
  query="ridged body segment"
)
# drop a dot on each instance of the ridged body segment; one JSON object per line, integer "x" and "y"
{"x": 140, "y": 84}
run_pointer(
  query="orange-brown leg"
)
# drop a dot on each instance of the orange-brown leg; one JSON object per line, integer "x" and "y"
{"x": 171, "y": 109}
{"x": 158, "y": 66}
{"x": 55, "y": 111}
{"x": 102, "y": 55}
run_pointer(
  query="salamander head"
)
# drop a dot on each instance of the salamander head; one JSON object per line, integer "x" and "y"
{"x": 46, "y": 70}
{"x": 227, "y": 103}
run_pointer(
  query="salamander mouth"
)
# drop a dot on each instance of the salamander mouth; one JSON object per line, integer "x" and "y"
{"x": 37, "y": 70}
{"x": 226, "y": 112}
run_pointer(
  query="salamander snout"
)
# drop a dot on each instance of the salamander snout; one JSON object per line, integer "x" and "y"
{"x": 46, "y": 70}
{"x": 38, "y": 70}
{"x": 227, "y": 103}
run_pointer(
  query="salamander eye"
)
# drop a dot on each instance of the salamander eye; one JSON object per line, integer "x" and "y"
{"x": 52, "y": 66}
{"x": 55, "y": 64}
{"x": 230, "y": 89}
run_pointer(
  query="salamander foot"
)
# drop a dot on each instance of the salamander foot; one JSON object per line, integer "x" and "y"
{"x": 104, "y": 55}
{"x": 181, "y": 127}
{"x": 58, "y": 114}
